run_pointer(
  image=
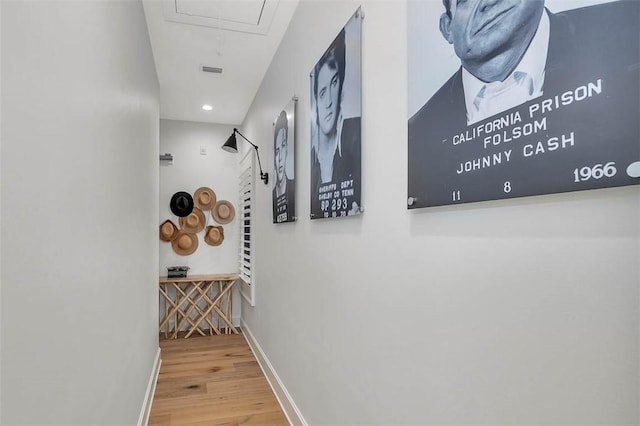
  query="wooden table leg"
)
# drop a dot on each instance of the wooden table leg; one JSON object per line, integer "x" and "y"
{"x": 191, "y": 302}
{"x": 230, "y": 306}
{"x": 219, "y": 292}
{"x": 204, "y": 296}
{"x": 227, "y": 286}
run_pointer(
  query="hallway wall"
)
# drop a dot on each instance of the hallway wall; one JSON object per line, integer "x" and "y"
{"x": 0, "y": 208}
{"x": 522, "y": 311}
{"x": 79, "y": 233}
{"x": 189, "y": 171}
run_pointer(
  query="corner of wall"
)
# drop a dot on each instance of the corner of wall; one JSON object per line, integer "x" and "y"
{"x": 145, "y": 411}
{"x": 0, "y": 212}
{"x": 283, "y": 396}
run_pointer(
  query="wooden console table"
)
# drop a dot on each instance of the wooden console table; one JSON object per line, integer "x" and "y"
{"x": 191, "y": 301}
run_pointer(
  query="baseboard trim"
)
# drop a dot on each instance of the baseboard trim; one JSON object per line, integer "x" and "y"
{"x": 143, "y": 420}
{"x": 282, "y": 395}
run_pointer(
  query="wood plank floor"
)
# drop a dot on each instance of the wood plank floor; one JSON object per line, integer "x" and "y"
{"x": 212, "y": 380}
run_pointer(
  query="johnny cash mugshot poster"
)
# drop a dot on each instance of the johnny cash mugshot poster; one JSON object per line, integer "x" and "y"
{"x": 335, "y": 112}
{"x": 515, "y": 98}
{"x": 284, "y": 193}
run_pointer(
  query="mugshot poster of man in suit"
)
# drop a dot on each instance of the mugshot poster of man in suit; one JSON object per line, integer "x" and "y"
{"x": 515, "y": 98}
{"x": 284, "y": 193}
{"x": 335, "y": 111}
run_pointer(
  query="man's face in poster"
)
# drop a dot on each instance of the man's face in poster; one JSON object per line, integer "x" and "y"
{"x": 280, "y": 155}
{"x": 490, "y": 36}
{"x": 328, "y": 98}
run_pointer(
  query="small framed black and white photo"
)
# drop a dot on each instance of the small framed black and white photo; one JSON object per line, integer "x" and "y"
{"x": 284, "y": 181}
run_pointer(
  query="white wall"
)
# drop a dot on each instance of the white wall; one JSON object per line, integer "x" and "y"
{"x": 520, "y": 311}
{"x": 0, "y": 208}
{"x": 79, "y": 214}
{"x": 189, "y": 171}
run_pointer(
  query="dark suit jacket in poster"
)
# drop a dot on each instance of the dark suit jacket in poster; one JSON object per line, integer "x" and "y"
{"x": 345, "y": 178}
{"x": 284, "y": 206}
{"x": 585, "y": 45}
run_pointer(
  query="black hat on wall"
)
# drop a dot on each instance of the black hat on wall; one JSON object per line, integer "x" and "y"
{"x": 181, "y": 204}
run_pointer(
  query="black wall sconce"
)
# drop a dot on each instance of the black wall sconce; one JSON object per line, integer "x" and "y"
{"x": 232, "y": 146}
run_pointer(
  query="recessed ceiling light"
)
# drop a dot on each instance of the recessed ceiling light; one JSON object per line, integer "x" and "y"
{"x": 207, "y": 107}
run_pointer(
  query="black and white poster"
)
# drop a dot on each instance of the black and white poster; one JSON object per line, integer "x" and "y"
{"x": 284, "y": 190}
{"x": 335, "y": 126}
{"x": 515, "y": 98}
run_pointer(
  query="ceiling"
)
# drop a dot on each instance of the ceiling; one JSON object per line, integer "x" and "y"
{"x": 239, "y": 36}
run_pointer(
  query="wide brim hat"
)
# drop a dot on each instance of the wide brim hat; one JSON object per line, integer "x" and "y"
{"x": 168, "y": 231}
{"x": 205, "y": 198}
{"x": 223, "y": 212}
{"x": 181, "y": 204}
{"x": 194, "y": 222}
{"x": 214, "y": 235}
{"x": 184, "y": 243}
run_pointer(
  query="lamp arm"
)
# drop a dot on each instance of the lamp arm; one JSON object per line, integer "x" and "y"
{"x": 263, "y": 176}
{"x": 244, "y": 137}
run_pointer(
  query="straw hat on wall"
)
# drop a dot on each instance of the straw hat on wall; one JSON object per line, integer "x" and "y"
{"x": 223, "y": 212}
{"x": 194, "y": 222}
{"x": 205, "y": 198}
{"x": 168, "y": 231}
{"x": 214, "y": 235}
{"x": 184, "y": 244}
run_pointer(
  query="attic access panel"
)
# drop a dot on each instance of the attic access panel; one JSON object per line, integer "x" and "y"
{"x": 249, "y": 16}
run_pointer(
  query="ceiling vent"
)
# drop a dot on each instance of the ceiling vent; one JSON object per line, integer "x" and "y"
{"x": 214, "y": 70}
